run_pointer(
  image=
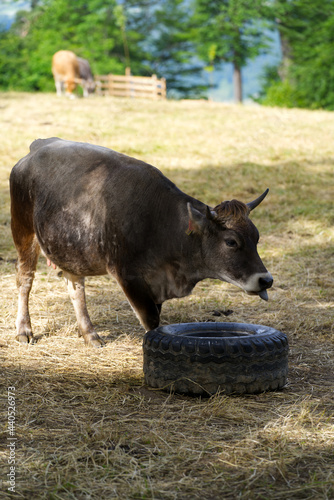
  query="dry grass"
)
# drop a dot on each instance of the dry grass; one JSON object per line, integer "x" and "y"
{"x": 86, "y": 426}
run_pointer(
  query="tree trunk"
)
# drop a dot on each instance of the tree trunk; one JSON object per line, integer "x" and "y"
{"x": 283, "y": 70}
{"x": 237, "y": 83}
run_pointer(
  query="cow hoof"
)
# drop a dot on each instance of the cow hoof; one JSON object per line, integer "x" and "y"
{"x": 94, "y": 341}
{"x": 25, "y": 338}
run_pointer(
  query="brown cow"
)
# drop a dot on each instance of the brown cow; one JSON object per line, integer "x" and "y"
{"x": 69, "y": 70}
{"x": 94, "y": 211}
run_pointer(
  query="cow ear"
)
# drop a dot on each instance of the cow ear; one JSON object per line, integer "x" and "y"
{"x": 197, "y": 220}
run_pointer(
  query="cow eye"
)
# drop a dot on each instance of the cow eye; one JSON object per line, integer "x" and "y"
{"x": 231, "y": 243}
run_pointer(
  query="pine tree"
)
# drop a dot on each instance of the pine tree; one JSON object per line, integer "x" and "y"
{"x": 166, "y": 36}
{"x": 305, "y": 78}
{"x": 230, "y": 31}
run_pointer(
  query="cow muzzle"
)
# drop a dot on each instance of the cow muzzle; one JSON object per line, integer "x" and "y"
{"x": 258, "y": 284}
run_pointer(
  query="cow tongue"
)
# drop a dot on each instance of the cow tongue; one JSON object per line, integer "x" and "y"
{"x": 263, "y": 294}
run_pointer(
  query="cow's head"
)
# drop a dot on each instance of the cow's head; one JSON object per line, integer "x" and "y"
{"x": 90, "y": 86}
{"x": 229, "y": 241}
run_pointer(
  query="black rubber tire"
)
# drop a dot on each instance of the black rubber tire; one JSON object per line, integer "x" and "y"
{"x": 204, "y": 358}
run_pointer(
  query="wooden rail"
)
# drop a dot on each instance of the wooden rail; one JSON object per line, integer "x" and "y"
{"x": 131, "y": 86}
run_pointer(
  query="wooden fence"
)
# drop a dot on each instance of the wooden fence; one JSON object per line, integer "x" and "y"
{"x": 131, "y": 86}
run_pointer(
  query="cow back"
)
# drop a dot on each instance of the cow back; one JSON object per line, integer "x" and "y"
{"x": 65, "y": 64}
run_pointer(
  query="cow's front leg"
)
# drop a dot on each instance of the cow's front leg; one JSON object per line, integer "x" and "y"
{"x": 76, "y": 289}
{"x": 141, "y": 302}
{"x": 28, "y": 251}
{"x": 59, "y": 87}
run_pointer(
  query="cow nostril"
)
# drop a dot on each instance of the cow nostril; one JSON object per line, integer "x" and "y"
{"x": 265, "y": 283}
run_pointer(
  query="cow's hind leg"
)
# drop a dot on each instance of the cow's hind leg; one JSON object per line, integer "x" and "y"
{"x": 76, "y": 289}
{"x": 28, "y": 250}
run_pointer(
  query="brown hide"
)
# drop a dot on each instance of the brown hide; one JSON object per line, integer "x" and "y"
{"x": 65, "y": 69}
{"x": 94, "y": 211}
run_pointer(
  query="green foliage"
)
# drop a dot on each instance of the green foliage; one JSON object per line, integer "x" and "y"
{"x": 276, "y": 92}
{"x": 167, "y": 40}
{"x": 308, "y": 28}
{"x": 313, "y": 68}
{"x": 87, "y": 27}
{"x": 230, "y": 30}
{"x": 149, "y": 37}
{"x": 281, "y": 94}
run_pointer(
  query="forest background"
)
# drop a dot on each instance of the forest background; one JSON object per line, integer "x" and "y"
{"x": 180, "y": 40}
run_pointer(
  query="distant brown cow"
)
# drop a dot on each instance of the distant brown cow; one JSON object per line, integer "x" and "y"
{"x": 69, "y": 70}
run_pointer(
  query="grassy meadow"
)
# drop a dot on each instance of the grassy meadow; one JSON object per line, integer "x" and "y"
{"x": 86, "y": 425}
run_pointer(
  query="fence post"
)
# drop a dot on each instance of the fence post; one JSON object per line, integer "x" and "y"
{"x": 128, "y": 81}
{"x": 163, "y": 88}
{"x": 110, "y": 84}
{"x": 155, "y": 86}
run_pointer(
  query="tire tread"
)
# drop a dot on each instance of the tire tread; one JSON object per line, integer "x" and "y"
{"x": 205, "y": 365}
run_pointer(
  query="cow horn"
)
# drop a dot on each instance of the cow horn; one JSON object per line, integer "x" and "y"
{"x": 253, "y": 204}
{"x": 210, "y": 214}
